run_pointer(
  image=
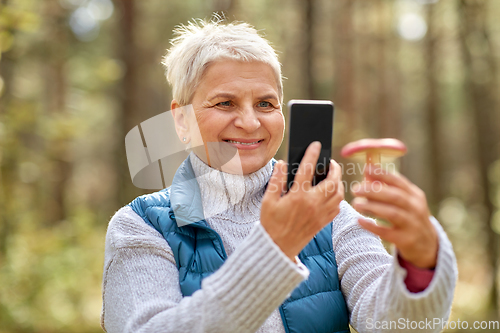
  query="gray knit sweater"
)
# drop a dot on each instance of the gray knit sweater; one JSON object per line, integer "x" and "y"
{"x": 141, "y": 290}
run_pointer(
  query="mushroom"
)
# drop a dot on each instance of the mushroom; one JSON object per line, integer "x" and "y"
{"x": 374, "y": 148}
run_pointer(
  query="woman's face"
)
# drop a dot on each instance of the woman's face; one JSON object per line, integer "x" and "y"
{"x": 238, "y": 103}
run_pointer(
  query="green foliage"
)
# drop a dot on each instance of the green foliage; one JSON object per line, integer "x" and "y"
{"x": 51, "y": 277}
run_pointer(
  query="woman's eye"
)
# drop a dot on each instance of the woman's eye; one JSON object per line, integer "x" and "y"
{"x": 264, "y": 104}
{"x": 225, "y": 103}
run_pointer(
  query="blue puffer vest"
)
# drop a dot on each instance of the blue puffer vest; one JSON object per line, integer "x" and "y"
{"x": 315, "y": 306}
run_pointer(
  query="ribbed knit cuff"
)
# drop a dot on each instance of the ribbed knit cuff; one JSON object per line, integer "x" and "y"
{"x": 446, "y": 268}
{"x": 435, "y": 301}
{"x": 255, "y": 280}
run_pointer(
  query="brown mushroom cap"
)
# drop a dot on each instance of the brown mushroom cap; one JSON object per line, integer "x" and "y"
{"x": 387, "y": 147}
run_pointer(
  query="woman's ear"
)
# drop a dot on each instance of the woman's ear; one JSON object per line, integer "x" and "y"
{"x": 181, "y": 121}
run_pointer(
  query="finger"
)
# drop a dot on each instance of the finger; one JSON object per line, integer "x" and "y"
{"x": 331, "y": 184}
{"x": 335, "y": 170}
{"x": 386, "y": 233}
{"x": 335, "y": 198}
{"x": 377, "y": 191}
{"x": 395, "y": 215}
{"x": 305, "y": 172}
{"x": 338, "y": 196}
{"x": 374, "y": 173}
{"x": 277, "y": 183}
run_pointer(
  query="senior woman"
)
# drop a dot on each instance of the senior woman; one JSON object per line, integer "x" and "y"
{"x": 226, "y": 250}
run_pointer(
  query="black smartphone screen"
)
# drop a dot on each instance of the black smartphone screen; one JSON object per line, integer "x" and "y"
{"x": 309, "y": 121}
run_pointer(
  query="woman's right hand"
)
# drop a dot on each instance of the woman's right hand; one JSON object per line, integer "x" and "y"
{"x": 294, "y": 218}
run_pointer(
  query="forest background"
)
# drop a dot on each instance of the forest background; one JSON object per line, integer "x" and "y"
{"x": 77, "y": 75}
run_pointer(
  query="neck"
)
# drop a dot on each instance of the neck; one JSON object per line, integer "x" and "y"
{"x": 237, "y": 197}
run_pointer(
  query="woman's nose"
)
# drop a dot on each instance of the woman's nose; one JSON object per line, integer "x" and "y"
{"x": 247, "y": 120}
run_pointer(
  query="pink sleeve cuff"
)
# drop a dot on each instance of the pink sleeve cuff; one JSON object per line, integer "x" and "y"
{"x": 417, "y": 279}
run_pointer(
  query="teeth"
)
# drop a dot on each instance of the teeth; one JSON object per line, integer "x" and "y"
{"x": 243, "y": 143}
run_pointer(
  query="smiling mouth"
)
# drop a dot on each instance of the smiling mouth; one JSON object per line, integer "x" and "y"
{"x": 244, "y": 143}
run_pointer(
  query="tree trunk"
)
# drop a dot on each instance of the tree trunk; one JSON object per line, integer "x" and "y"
{"x": 481, "y": 86}
{"x": 435, "y": 192}
{"x": 309, "y": 49}
{"x": 228, "y": 7}
{"x": 58, "y": 148}
{"x": 344, "y": 75}
{"x": 7, "y": 161}
{"x": 383, "y": 116}
{"x": 130, "y": 111}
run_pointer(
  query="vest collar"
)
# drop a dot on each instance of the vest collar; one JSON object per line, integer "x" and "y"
{"x": 185, "y": 196}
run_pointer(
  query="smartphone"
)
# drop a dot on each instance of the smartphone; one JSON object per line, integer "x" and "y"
{"x": 309, "y": 121}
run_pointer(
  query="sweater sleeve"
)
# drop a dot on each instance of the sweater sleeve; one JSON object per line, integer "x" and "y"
{"x": 372, "y": 281}
{"x": 141, "y": 290}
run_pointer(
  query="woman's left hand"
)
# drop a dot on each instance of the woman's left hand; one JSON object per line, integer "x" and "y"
{"x": 394, "y": 198}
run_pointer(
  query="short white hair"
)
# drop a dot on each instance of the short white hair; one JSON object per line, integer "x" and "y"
{"x": 201, "y": 42}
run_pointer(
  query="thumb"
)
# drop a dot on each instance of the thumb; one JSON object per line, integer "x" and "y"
{"x": 277, "y": 183}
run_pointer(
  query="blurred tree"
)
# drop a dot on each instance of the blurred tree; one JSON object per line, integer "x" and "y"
{"x": 58, "y": 142}
{"x": 309, "y": 50}
{"x": 382, "y": 113}
{"x": 387, "y": 107}
{"x": 435, "y": 193}
{"x": 481, "y": 82}
{"x": 228, "y": 7}
{"x": 129, "y": 95}
{"x": 343, "y": 51}
{"x": 7, "y": 160}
